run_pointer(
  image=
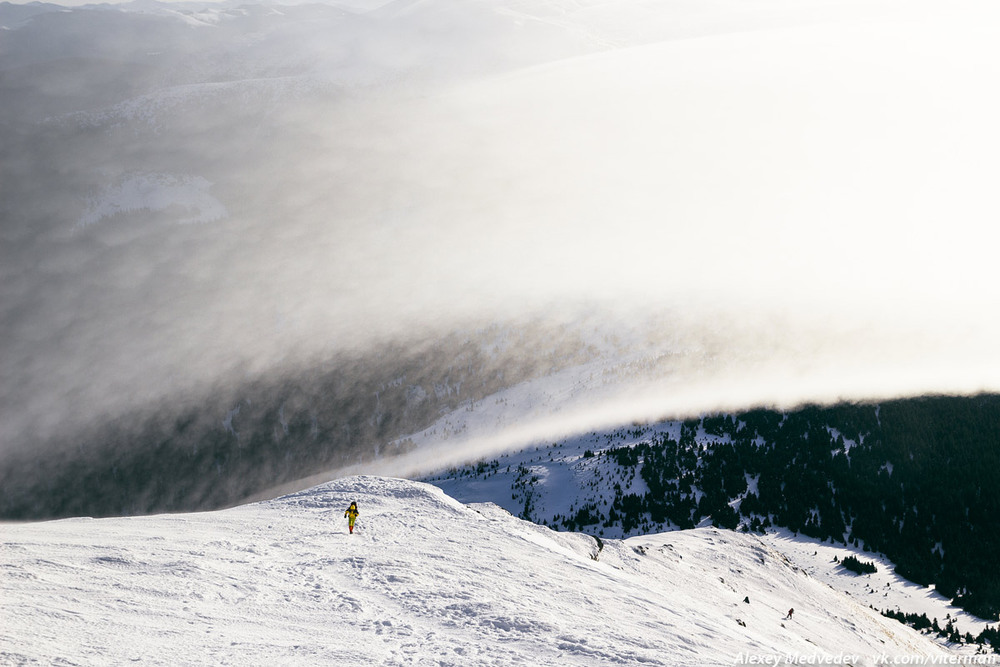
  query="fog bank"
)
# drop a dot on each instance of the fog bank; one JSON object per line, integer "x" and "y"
{"x": 762, "y": 203}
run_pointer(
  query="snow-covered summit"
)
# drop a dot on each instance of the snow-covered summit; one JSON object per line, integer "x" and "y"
{"x": 424, "y": 580}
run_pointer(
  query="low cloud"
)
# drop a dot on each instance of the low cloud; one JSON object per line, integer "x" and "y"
{"x": 776, "y": 207}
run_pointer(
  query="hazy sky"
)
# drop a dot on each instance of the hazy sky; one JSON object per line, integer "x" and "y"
{"x": 805, "y": 191}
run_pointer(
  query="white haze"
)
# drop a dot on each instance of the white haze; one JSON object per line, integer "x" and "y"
{"x": 801, "y": 196}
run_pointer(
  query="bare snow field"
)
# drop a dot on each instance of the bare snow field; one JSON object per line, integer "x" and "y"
{"x": 425, "y": 580}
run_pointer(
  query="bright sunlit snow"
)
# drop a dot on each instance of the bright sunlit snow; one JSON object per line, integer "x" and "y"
{"x": 424, "y": 580}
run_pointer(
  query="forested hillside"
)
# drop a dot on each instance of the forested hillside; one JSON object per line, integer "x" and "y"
{"x": 917, "y": 480}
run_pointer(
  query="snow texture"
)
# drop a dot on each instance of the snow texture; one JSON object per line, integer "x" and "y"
{"x": 423, "y": 580}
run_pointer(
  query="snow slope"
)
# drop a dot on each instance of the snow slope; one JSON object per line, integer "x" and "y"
{"x": 558, "y": 478}
{"x": 424, "y": 580}
{"x": 884, "y": 589}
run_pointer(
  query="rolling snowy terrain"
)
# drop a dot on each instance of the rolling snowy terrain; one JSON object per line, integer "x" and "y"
{"x": 550, "y": 482}
{"x": 424, "y": 580}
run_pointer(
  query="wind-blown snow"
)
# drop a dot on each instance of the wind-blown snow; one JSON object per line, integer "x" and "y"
{"x": 424, "y": 580}
{"x": 805, "y": 188}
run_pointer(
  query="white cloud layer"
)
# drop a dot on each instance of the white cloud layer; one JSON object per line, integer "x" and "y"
{"x": 805, "y": 190}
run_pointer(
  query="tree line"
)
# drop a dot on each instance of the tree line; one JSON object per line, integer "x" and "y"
{"x": 917, "y": 480}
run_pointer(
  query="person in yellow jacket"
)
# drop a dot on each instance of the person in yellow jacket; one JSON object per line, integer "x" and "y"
{"x": 352, "y": 514}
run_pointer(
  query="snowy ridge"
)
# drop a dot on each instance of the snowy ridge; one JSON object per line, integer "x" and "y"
{"x": 424, "y": 580}
{"x": 550, "y": 482}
